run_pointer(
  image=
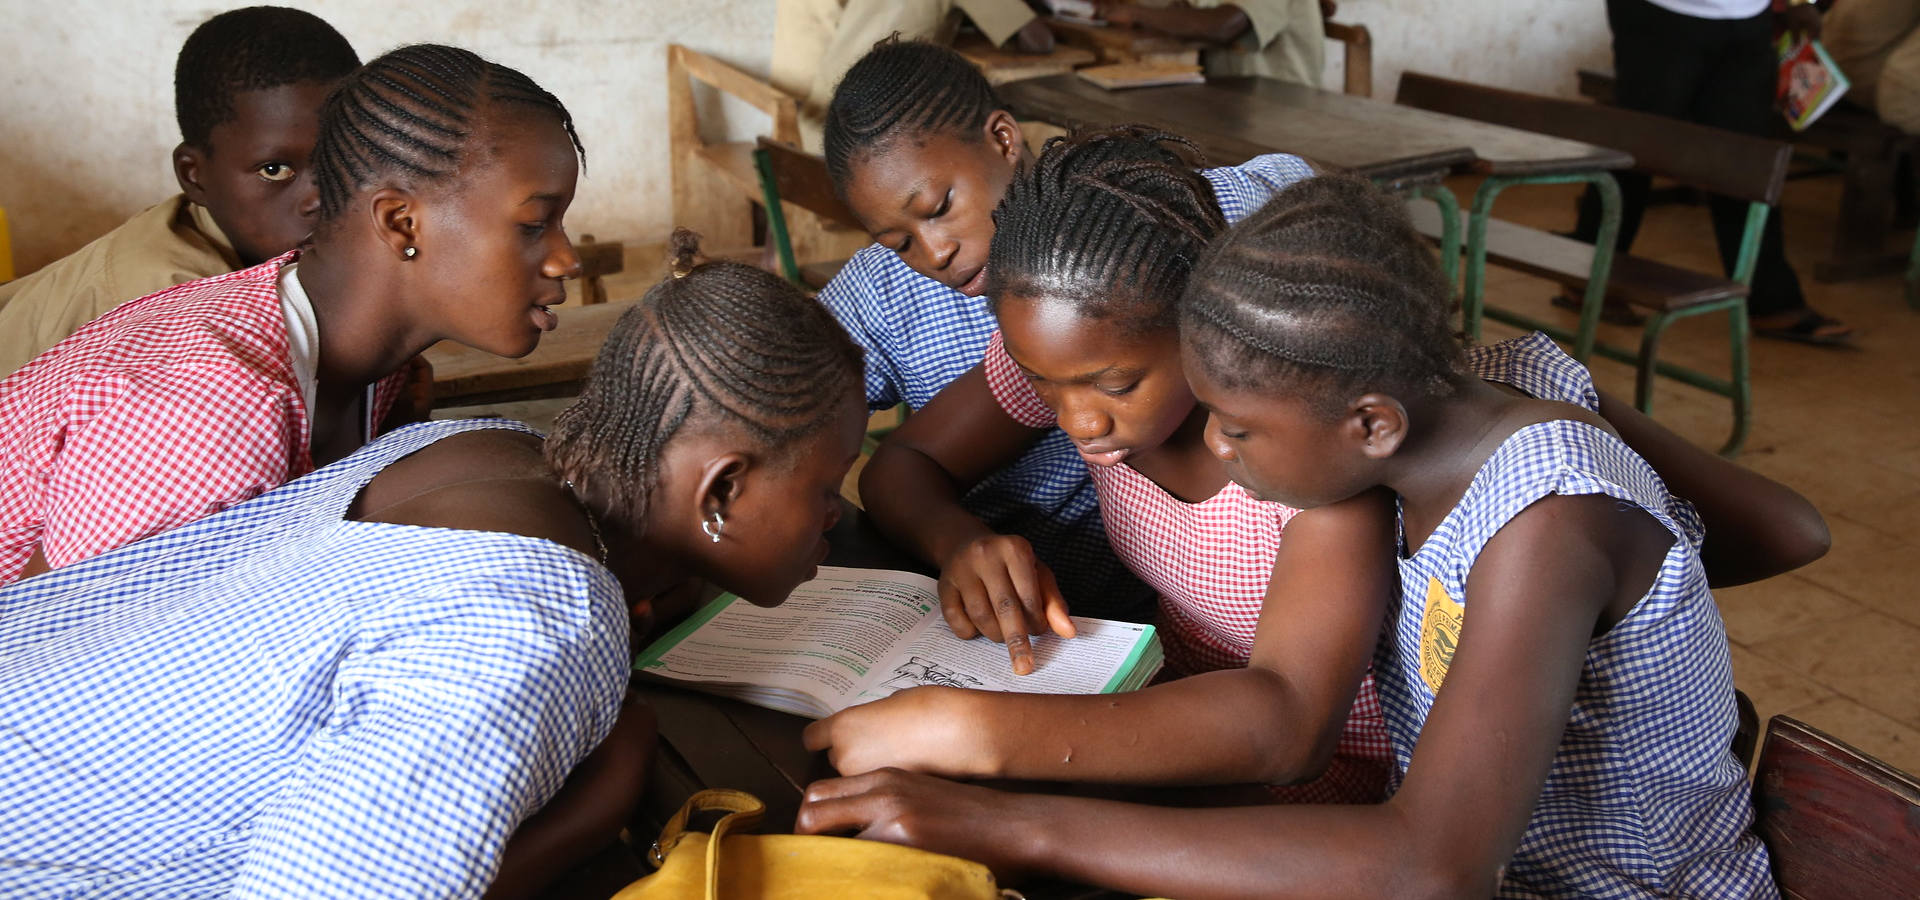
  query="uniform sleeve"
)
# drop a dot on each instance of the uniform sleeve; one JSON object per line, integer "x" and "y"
{"x": 1244, "y": 188}
{"x": 444, "y": 736}
{"x": 854, "y": 299}
{"x": 1012, "y": 389}
{"x": 173, "y": 446}
{"x": 1267, "y": 19}
{"x": 998, "y": 20}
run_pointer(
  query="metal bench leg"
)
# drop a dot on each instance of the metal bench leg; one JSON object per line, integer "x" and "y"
{"x": 1644, "y": 366}
{"x": 1449, "y": 206}
{"x": 1737, "y": 331}
{"x": 1473, "y": 297}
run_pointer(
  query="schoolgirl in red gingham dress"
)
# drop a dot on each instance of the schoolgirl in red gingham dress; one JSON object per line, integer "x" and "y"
{"x": 166, "y": 409}
{"x": 1211, "y": 562}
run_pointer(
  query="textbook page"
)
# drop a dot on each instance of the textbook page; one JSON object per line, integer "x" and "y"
{"x": 822, "y": 642}
{"x": 855, "y": 635}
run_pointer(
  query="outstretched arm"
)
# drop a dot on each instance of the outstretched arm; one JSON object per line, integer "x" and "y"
{"x": 1276, "y": 721}
{"x": 990, "y": 583}
{"x": 1756, "y": 527}
{"x": 1540, "y": 589}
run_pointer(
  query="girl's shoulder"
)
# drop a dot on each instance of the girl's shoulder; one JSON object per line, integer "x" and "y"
{"x": 1246, "y": 187}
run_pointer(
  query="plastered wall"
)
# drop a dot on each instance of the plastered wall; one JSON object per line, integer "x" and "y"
{"x": 86, "y": 102}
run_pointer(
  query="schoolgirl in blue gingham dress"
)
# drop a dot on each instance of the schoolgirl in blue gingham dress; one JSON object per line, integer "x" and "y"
{"x": 1644, "y": 797}
{"x": 276, "y": 701}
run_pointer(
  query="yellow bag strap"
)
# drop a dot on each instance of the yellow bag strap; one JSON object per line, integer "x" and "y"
{"x": 743, "y": 811}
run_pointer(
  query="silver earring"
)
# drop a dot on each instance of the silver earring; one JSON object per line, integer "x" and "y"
{"x": 411, "y": 252}
{"x": 713, "y": 527}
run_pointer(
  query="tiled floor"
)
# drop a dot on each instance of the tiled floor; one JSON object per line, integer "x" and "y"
{"x": 1836, "y": 644}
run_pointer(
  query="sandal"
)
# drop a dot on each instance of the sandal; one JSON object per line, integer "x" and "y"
{"x": 1810, "y": 328}
{"x": 1611, "y": 312}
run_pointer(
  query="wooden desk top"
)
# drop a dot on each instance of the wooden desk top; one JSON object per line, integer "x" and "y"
{"x": 1234, "y": 119}
{"x": 1002, "y": 66}
{"x": 463, "y": 376}
{"x": 1115, "y": 43}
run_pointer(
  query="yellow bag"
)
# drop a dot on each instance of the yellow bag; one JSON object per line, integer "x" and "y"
{"x": 692, "y": 865}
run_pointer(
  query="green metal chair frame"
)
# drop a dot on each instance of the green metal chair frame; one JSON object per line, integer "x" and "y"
{"x": 1737, "y": 388}
{"x": 790, "y": 267}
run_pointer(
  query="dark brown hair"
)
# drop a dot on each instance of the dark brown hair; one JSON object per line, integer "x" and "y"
{"x": 715, "y": 342}
{"x": 1329, "y": 288}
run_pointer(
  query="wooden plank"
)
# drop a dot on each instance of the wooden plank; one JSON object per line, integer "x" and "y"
{"x": 1632, "y": 279}
{"x": 1713, "y": 159}
{"x": 1002, "y": 66}
{"x": 802, "y": 180}
{"x": 461, "y": 374}
{"x": 1116, "y": 44}
{"x": 1837, "y": 822}
{"x": 1235, "y": 119}
{"x": 1357, "y": 66}
{"x": 761, "y": 95}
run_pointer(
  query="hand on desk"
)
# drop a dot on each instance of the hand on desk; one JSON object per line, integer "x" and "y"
{"x": 925, "y": 729}
{"x": 996, "y": 586}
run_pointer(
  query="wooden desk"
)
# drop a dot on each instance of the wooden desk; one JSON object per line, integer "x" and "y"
{"x": 463, "y": 376}
{"x": 1117, "y": 44}
{"x": 1236, "y": 119}
{"x": 1003, "y": 66}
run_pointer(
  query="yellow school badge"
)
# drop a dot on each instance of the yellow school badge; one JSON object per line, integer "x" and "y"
{"x": 1439, "y": 634}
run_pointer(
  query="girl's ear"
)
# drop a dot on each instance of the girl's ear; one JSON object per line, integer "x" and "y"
{"x": 395, "y": 219}
{"x": 1377, "y": 423}
{"x": 1004, "y": 133}
{"x": 723, "y": 479}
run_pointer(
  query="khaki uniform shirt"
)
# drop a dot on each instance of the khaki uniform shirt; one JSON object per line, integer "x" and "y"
{"x": 815, "y": 42}
{"x": 170, "y": 243}
{"x": 1287, "y": 40}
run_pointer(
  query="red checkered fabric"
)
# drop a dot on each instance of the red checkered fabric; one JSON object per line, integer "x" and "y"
{"x": 1211, "y": 562}
{"x": 167, "y": 408}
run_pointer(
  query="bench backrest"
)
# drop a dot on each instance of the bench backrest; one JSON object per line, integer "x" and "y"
{"x": 803, "y": 181}
{"x": 1837, "y": 822}
{"x": 1712, "y": 159}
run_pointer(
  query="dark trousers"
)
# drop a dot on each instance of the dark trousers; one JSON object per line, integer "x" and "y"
{"x": 1718, "y": 72}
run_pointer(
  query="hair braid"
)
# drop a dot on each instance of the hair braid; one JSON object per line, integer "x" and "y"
{"x": 1328, "y": 283}
{"x": 1108, "y": 222}
{"x": 720, "y": 343}
{"x": 411, "y": 116}
{"x": 903, "y": 89}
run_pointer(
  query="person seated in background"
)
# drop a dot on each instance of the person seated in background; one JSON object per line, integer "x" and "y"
{"x": 247, "y": 91}
{"x": 815, "y": 42}
{"x": 1284, "y": 39}
{"x": 401, "y": 675}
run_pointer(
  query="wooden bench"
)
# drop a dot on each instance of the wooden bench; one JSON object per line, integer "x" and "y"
{"x": 790, "y": 176}
{"x": 1837, "y": 822}
{"x": 714, "y": 183}
{"x": 1736, "y": 165}
{"x": 1869, "y": 152}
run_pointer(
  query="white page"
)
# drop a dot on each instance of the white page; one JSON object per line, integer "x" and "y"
{"x": 1083, "y": 664}
{"x": 823, "y": 641}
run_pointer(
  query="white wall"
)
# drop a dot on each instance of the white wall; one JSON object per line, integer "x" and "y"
{"x": 86, "y": 95}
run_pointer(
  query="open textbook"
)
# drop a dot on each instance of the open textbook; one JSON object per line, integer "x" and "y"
{"x": 855, "y": 635}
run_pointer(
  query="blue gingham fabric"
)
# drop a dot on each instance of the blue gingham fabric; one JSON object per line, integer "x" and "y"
{"x": 1644, "y": 797}
{"x": 276, "y": 702}
{"x": 920, "y": 335}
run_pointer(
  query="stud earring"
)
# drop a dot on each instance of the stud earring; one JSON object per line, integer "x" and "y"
{"x": 713, "y": 527}
{"x": 411, "y": 252}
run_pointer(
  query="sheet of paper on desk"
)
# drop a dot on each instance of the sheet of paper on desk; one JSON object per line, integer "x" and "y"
{"x": 855, "y": 635}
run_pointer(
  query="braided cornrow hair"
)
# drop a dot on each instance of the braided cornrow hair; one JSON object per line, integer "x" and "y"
{"x": 719, "y": 342}
{"x": 251, "y": 49}
{"x": 411, "y": 115}
{"x": 903, "y": 89}
{"x": 1107, "y": 221}
{"x": 1330, "y": 284}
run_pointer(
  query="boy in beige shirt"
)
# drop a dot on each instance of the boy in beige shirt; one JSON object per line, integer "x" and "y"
{"x": 248, "y": 87}
{"x": 1283, "y": 39}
